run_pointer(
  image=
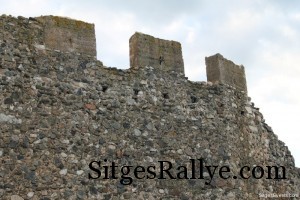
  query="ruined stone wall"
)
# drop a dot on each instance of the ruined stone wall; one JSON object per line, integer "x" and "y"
{"x": 61, "y": 111}
{"x": 219, "y": 69}
{"x": 146, "y": 50}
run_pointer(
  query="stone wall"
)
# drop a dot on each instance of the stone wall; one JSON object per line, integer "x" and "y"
{"x": 70, "y": 35}
{"x": 219, "y": 69}
{"x": 59, "y": 111}
{"x": 146, "y": 50}
{"x": 49, "y": 32}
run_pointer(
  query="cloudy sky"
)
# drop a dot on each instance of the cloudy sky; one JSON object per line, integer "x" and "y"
{"x": 261, "y": 35}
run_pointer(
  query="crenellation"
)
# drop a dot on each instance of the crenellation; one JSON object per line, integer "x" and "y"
{"x": 66, "y": 34}
{"x": 146, "y": 50}
{"x": 219, "y": 69}
{"x": 50, "y": 32}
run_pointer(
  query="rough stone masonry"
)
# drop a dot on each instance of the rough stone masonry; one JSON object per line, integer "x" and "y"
{"x": 68, "y": 35}
{"x": 61, "y": 109}
{"x": 224, "y": 71}
{"x": 146, "y": 50}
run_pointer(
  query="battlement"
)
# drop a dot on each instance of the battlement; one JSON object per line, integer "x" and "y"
{"x": 219, "y": 69}
{"x": 49, "y": 33}
{"x": 70, "y": 35}
{"x": 146, "y": 50}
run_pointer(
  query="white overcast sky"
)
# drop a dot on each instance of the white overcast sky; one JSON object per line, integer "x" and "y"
{"x": 263, "y": 35}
